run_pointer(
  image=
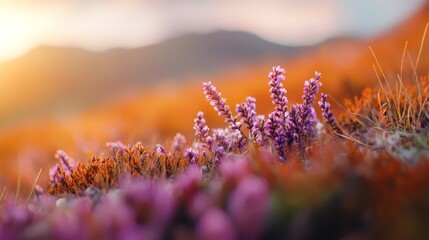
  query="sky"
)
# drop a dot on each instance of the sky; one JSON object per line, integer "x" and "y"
{"x": 103, "y": 24}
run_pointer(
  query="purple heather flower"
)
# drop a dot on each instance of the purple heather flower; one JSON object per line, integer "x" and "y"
{"x": 160, "y": 149}
{"x": 153, "y": 202}
{"x": 233, "y": 167}
{"x": 14, "y": 218}
{"x": 187, "y": 182}
{"x": 67, "y": 162}
{"x": 248, "y": 206}
{"x": 237, "y": 141}
{"x": 220, "y": 105}
{"x": 278, "y": 92}
{"x": 192, "y": 155}
{"x": 306, "y": 111}
{"x": 53, "y": 178}
{"x": 219, "y": 152}
{"x": 199, "y": 204}
{"x": 296, "y": 127}
{"x": 116, "y": 146}
{"x": 302, "y": 117}
{"x": 258, "y": 129}
{"x": 327, "y": 113}
{"x": 247, "y": 110}
{"x": 311, "y": 87}
{"x": 275, "y": 127}
{"x": 113, "y": 215}
{"x": 220, "y": 136}
{"x": 215, "y": 225}
{"x": 178, "y": 143}
{"x": 276, "y": 131}
{"x": 202, "y": 131}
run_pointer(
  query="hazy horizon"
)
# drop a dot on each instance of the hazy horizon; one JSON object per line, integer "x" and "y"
{"x": 102, "y": 25}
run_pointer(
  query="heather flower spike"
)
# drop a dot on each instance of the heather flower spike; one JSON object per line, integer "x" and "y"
{"x": 303, "y": 116}
{"x": 192, "y": 155}
{"x": 67, "y": 162}
{"x": 311, "y": 88}
{"x": 327, "y": 113}
{"x": 278, "y": 92}
{"x": 160, "y": 149}
{"x": 202, "y": 131}
{"x": 276, "y": 131}
{"x": 220, "y": 105}
{"x": 53, "y": 174}
{"x": 277, "y": 120}
{"x": 247, "y": 110}
{"x": 258, "y": 129}
{"x": 178, "y": 142}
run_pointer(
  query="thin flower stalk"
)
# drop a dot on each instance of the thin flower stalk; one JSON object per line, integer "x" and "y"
{"x": 327, "y": 113}
{"x": 202, "y": 131}
{"x": 220, "y": 106}
{"x": 247, "y": 110}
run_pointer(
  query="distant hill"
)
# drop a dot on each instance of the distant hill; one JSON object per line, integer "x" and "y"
{"x": 50, "y": 79}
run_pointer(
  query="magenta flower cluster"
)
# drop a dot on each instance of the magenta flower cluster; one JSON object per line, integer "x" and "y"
{"x": 283, "y": 130}
{"x": 67, "y": 163}
{"x": 146, "y": 209}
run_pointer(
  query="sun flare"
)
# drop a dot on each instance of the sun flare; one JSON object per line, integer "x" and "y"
{"x": 17, "y": 33}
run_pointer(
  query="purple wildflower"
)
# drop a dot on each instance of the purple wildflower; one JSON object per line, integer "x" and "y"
{"x": 219, "y": 153}
{"x": 277, "y": 120}
{"x": 202, "y": 131}
{"x": 294, "y": 121}
{"x": 278, "y": 92}
{"x": 234, "y": 167}
{"x": 192, "y": 155}
{"x": 220, "y": 136}
{"x": 116, "y": 146}
{"x": 247, "y": 110}
{"x": 302, "y": 117}
{"x": 327, "y": 113}
{"x": 178, "y": 142}
{"x": 187, "y": 182}
{"x": 160, "y": 149}
{"x": 153, "y": 202}
{"x": 220, "y": 105}
{"x": 306, "y": 110}
{"x": 67, "y": 162}
{"x": 113, "y": 216}
{"x": 258, "y": 129}
{"x": 276, "y": 131}
{"x": 199, "y": 204}
{"x": 214, "y": 225}
{"x": 248, "y": 206}
{"x": 53, "y": 177}
{"x": 237, "y": 141}
{"x": 311, "y": 88}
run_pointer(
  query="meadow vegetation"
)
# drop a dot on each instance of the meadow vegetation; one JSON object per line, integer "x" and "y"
{"x": 296, "y": 173}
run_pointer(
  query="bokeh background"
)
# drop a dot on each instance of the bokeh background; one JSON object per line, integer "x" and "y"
{"x": 77, "y": 74}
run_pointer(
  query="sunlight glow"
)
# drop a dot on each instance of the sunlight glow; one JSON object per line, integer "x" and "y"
{"x": 18, "y": 33}
{"x": 101, "y": 25}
